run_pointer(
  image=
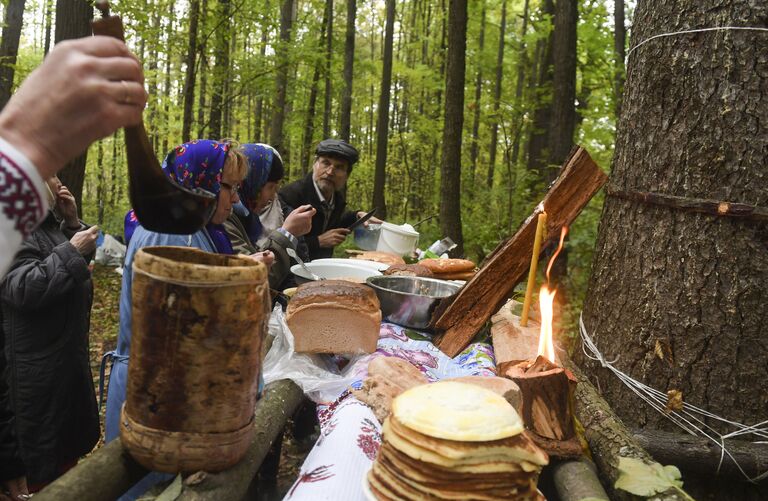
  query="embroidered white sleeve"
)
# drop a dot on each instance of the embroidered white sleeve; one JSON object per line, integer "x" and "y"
{"x": 22, "y": 201}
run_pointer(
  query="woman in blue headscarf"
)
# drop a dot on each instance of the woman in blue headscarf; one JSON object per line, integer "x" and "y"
{"x": 257, "y": 223}
{"x": 219, "y": 168}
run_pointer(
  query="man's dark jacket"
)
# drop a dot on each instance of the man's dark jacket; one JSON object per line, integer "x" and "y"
{"x": 303, "y": 192}
{"x": 49, "y": 415}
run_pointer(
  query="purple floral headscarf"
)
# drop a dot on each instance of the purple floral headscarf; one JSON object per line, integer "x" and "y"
{"x": 260, "y": 157}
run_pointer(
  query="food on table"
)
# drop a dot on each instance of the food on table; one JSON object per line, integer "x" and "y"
{"x": 387, "y": 378}
{"x": 441, "y": 266}
{"x": 409, "y": 270}
{"x": 379, "y": 257}
{"x": 499, "y": 385}
{"x": 334, "y": 316}
{"x": 452, "y": 440}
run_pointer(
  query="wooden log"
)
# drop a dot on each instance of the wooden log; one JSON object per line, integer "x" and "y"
{"x": 547, "y": 412}
{"x": 701, "y": 456}
{"x": 579, "y": 179}
{"x": 105, "y": 474}
{"x": 280, "y": 402}
{"x": 110, "y": 471}
{"x": 607, "y": 436}
{"x": 576, "y": 480}
{"x": 513, "y": 343}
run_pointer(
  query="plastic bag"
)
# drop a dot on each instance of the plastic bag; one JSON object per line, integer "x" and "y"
{"x": 317, "y": 375}
{"x": 110, "y": 252}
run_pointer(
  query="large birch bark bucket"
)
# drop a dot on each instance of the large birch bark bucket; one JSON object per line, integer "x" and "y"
{"x": 198, "y": 324}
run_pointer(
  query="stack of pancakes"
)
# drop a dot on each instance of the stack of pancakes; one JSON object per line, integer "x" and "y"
{"x": 455, "y": 441}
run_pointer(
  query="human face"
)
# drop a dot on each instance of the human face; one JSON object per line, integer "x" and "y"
{"x": 330, "y": 174}
{"x": 266, "y": 194}
{"x": 227, "y": 196}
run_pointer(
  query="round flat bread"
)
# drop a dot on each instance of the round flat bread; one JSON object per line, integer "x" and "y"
{"x": 379, "y": 257}
{"x": 439, "y": 266}
{"x": 457, "y": 411}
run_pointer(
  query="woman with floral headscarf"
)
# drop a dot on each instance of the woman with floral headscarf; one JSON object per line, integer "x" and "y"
{"x": 216, "y": 167}
{"x": 258, "y": 223}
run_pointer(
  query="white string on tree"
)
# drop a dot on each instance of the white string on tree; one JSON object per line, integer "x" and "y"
{"x": 690, "y": 418}
{"x": 696, "y": 30}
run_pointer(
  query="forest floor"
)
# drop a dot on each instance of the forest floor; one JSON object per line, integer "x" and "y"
{"x": 105, "y": 318}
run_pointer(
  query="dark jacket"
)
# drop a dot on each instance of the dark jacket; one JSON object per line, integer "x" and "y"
{"x": 45, "y": 301}
{"x": 303, "y": 192}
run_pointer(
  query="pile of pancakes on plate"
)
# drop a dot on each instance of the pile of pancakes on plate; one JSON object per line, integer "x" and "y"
{"x": 451, "y": 440}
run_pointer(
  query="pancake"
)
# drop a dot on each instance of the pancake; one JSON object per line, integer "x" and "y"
{"x": 457, "y": 411}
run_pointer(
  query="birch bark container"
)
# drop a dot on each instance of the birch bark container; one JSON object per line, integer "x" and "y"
{"x": 198, "y": 324}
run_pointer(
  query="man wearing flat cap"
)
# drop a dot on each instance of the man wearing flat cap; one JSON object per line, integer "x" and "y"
{"x": 323, "y": 188}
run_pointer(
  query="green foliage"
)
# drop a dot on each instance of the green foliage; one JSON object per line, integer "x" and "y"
{"x": 641, "y": 479}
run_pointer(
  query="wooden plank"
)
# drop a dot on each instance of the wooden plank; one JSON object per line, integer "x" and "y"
{"x": 513, "y": 343}
{"x": 580, "y": 178}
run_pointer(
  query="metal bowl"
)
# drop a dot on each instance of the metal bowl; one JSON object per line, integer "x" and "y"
{"x": 410, "y": 301}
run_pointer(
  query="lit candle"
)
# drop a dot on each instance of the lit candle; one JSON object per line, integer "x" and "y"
{"x": 541, "y": 227}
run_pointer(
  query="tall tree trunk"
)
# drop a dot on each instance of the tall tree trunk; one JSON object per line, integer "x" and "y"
{"x": 328, "y": 61}
{"x": 619, "y": 43}
{"x": 309, "y": 123}
{"x": 537, "y": 142}
{"x": 73, "y": 20}
{"x": 201, "y": 101}
{"x": 563, "y": 119}
{"x": 167, "y": 86}
{"x": 260, "y": 133}
{"x": 382, "y": 124}
{"x": 478, "y": 95}
{"x": 522, "y": 64}
{"x": 349, "y": 63}
{"x": 278, "y": 112}
{"x": 9, "y": 47}
{"x": 220, "y": 70}
{"x": 497, "y": 97}
{"x": 690, "y": 286}
{"x": 189, "y": 77}
{"x": 101, "y": 186}
{"x": 450, "y": 163}
{"x": 152, "y": 74}
{"x": 48, "y": 22}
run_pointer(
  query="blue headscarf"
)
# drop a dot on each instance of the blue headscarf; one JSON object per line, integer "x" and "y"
{"x": 200, "y": 164}
{"x": 260, "y": 160}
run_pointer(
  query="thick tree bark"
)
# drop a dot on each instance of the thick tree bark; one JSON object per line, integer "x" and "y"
{"x": 478, "y": 95}
{"x": 328, "y": 61}
{"x": 693, "y": 125}
{"x": 450, "y": 162}
{"x": 382, "y": 124}
{"x": 349, "y": 62}
{"x": 189, "y": 77}
{"x": 493, "y": 147}
{"x": 220, "y": 70}
{"x": 619, "y": 42}
{"x": 9, "y": 47}
{"x": 73, "y": 20}
{"x": 537, "y": 142}
{"x": 281, "y": 84}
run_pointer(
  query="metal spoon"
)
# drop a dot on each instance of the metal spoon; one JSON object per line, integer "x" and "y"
{"x": 295, "y": 256}
{"x": 160, "y": 204}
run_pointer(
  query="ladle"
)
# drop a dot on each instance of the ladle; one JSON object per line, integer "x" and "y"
{"x": 160, "y": 204}
{"x": 295, "y": 256}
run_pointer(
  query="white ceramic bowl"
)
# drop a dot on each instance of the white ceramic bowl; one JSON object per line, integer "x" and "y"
{"x": 337, "y": 271}
{"x": 355, "y": 262}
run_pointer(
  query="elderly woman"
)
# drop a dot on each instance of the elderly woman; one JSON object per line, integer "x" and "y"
{"x": 217, "y": 167}
{"x": 258, "y": 223}
{"x": 48, "y": 413}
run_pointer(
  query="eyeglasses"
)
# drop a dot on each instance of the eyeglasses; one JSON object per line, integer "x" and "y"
{"x": 233, "y": 188}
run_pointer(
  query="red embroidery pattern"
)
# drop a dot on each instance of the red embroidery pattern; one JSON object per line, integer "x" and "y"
{"x": 19, "y": 200}
{"x": 369, "y": 440}
{"x": 316, "y": 475}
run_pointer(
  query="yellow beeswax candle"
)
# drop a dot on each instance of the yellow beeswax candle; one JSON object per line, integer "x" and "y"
{"x": 541, "y": 228}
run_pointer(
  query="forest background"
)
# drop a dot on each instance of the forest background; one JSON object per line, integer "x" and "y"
{"x": 266, "y": 71}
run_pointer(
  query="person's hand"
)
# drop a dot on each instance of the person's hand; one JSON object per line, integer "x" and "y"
{"x": 67, "y": 206}
{"x": 266, "y": 257}
{"x": 332, "y": 238}
{"x": 85, "y": 241}
{"x": 371, "y": 220}
{"x": 16, "y": 489}
{"x": 299, "y": 221}
{"x": 84, "y": 90}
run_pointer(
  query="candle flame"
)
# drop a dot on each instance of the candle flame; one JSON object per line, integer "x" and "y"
{"x": 546, "y": 305}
